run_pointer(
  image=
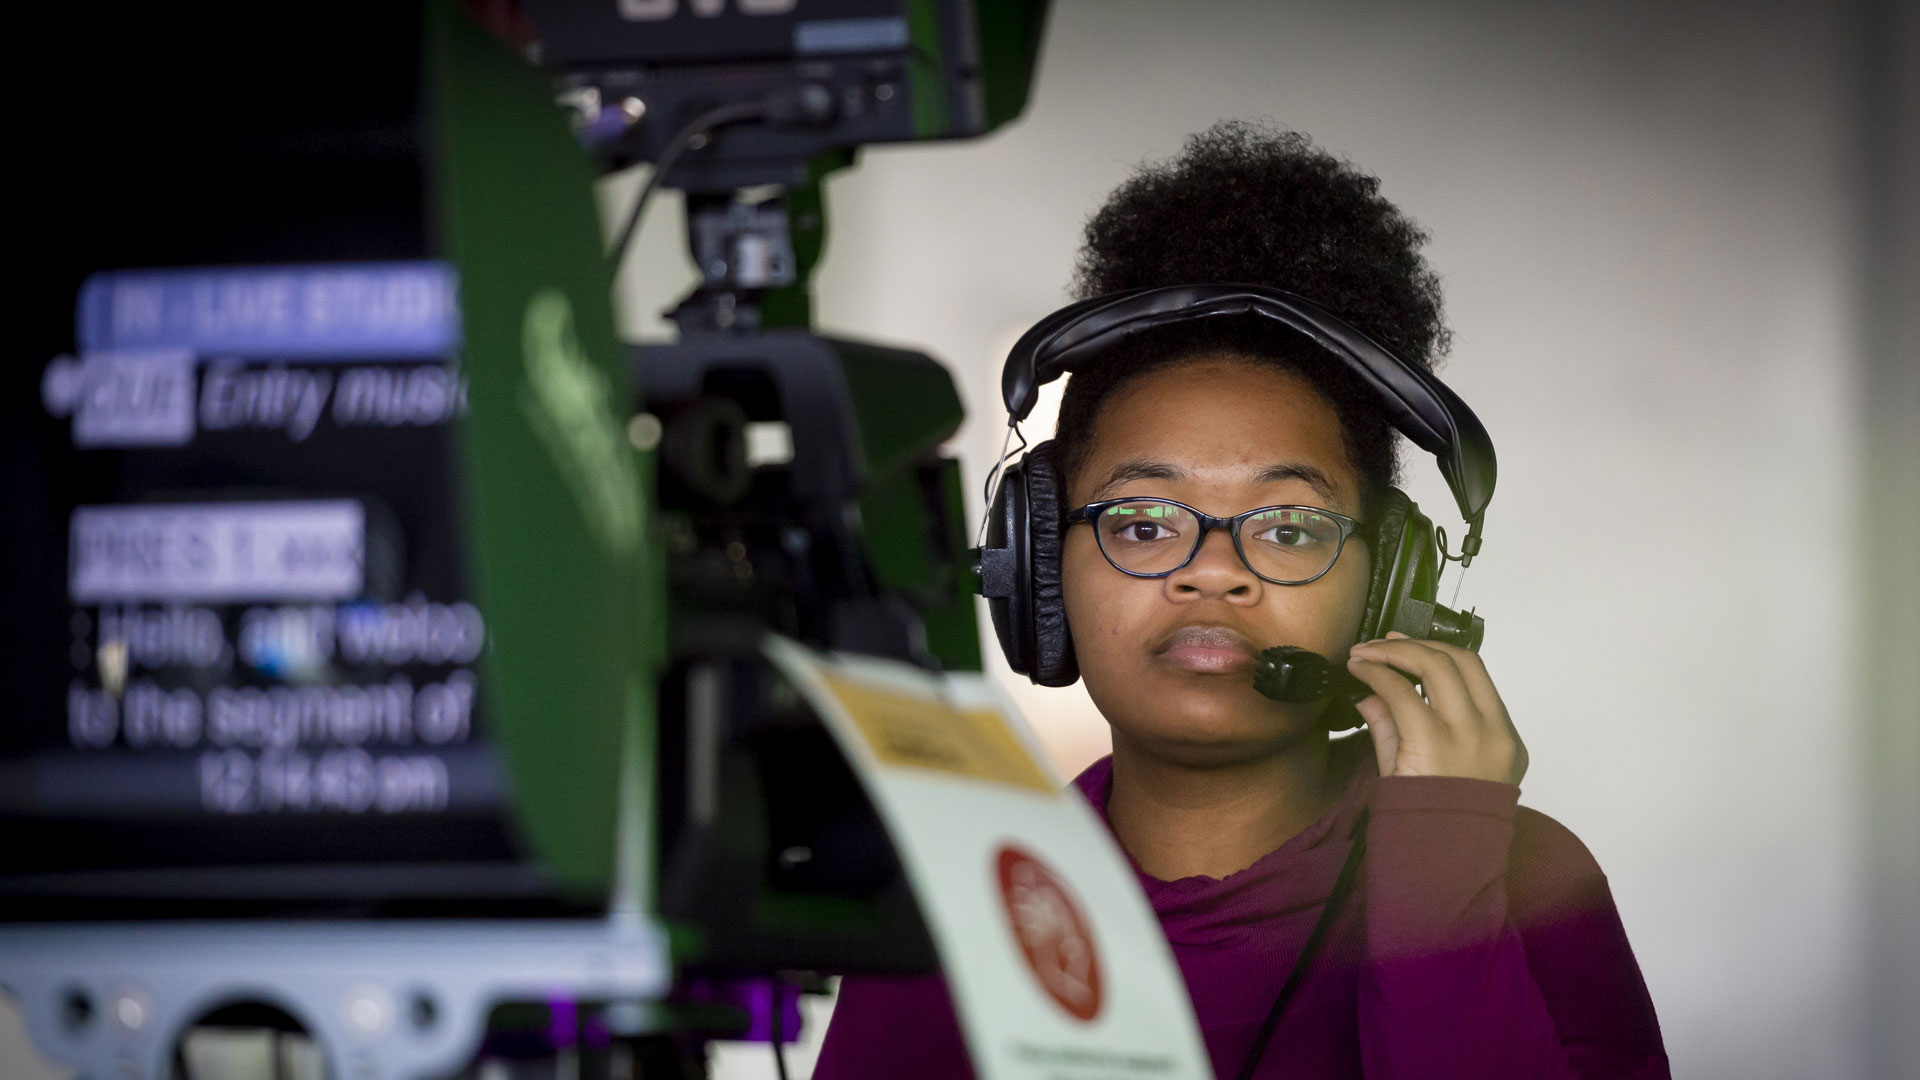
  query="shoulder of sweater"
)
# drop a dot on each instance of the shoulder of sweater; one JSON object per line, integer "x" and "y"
{"x": 1548, "y": 867}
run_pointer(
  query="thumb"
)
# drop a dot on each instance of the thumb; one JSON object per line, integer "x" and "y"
{"x": 1386, "y": 734}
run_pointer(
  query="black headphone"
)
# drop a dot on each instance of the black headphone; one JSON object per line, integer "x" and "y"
{"x": 1019, "y": 567}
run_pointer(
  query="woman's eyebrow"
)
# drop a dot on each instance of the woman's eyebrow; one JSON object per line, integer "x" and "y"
{"x": 1145, "y": 469}
{"x": 1141, "y": 469}
{"x": 1299, "y": 470}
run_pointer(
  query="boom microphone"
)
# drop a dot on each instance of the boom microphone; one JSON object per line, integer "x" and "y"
{"x": 1291, "y": 674}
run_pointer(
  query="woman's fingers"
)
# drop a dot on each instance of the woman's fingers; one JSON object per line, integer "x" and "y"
{"x": 1458, "y": 728}
{"x": 1439, "y": 675}
{"x": 1381, "y": 728}
{"x": 1503, "y": 736}
{"x": 1473, "y": 672}
{"x": 1413, "y": 719}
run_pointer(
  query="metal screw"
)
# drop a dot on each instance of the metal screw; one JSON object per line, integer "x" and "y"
{"x": 369, "y": 1008}
{"x": 584, "y": 101}
{"x": 130, "y": 1009}
{"x": 644, "y": 431}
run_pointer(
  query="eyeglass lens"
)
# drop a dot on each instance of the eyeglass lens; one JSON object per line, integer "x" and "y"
{"x": 1146, "y": 536}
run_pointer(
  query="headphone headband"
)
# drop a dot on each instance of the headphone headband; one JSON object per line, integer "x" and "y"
{"x": 1417, "y": 403}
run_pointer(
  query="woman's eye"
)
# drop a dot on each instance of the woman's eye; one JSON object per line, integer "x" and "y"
{"x": 1290, "y": 534}
{"x": 1145, "y": 523}
{"x": 1139, "y": 531}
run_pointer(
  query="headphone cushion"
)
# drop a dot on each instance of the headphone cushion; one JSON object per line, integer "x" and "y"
{"x": 1388, "y": 532}
{"x": 1008, "y": 599}
{"x": 1053, "y": 660}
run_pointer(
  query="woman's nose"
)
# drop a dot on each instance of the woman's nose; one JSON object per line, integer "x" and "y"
{"x": 1216, "y": 571}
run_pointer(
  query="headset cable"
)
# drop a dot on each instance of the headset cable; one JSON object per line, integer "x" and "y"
{"x": 808, "y": 105}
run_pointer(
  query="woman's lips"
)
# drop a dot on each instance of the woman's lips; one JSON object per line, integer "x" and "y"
{"x": 1207, "y": 650}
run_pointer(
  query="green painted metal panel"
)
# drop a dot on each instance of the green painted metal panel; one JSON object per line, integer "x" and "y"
{"x": 1010, "y": 32}
{"x": 558, "y": 498}
{"x": 905, "y": 405}
{"x": 926, "y": 72}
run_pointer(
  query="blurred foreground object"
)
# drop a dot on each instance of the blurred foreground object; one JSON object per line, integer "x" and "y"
{"x": 364, "y": 684}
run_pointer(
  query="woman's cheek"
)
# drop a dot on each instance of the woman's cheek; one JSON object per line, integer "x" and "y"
{"x": 1342, "y": 604}
{"x": 1096, "y": 606}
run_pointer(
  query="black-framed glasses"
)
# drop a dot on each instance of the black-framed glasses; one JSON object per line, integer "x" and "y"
{"x": 1151, "y": 538}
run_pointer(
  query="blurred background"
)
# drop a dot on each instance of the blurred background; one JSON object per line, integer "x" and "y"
{"x": 1677, "y": 242}
{"x": 1680, "y": 248}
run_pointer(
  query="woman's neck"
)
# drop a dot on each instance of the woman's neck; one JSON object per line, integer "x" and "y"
{"x": 1180, "y": 821}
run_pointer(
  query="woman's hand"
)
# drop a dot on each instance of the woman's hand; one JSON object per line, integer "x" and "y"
{"x": 1459, "y": 728}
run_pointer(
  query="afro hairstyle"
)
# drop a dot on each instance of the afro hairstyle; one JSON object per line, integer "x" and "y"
{"x": 1248, "y": 204}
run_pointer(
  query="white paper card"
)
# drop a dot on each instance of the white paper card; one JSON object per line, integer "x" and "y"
{"x": 1057, "y": 965}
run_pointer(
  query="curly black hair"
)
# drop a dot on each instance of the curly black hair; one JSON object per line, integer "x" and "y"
{"x": 1245, "y": 203}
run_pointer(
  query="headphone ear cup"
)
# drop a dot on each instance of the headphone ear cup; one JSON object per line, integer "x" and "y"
{"x": 1405, "y": 576}
{"x": 1391, "y": 537}
{"x": 1053, "y": 661}
{"x": 1010, "y": 592}
{"x": 1385, "y": 539}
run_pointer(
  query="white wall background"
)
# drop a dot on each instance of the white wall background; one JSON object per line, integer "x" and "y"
{"x": 1642, "y": 219}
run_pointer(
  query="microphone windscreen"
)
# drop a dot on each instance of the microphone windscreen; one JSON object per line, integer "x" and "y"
{"x": 1292, "y": 674}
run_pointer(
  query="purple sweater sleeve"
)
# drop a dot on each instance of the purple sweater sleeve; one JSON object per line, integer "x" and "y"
{"x": 1493, "y": 947}
{"x": 888, "y": 1027}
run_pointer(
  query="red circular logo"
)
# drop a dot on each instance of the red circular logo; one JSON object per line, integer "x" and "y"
{"x": 1053, "y": 935}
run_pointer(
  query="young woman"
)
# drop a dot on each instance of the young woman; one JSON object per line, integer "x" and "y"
{"x": 1478, "y": 938}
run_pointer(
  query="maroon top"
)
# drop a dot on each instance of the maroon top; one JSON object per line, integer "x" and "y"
{"x": 1480, "y": 941}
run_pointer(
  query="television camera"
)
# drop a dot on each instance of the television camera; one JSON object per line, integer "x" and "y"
{"x": 382, "y": 672}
